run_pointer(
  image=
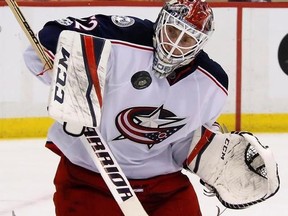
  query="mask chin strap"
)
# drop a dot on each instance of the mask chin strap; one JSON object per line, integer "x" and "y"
{"x": 159, "y": 75}
{"x": 162, "y": 69}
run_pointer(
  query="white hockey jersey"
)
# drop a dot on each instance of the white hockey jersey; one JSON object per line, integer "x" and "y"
{"x": 147, "y": 122}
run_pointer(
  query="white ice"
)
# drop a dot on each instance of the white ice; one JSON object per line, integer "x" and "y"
{"x": 27, "y": 169}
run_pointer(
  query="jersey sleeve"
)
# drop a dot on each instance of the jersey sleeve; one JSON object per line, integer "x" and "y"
{"x": 214, "y": 69}
{"x": 35, "y": 66}
{"x": 219, "y": 77}
{"x": 129, "y": 29}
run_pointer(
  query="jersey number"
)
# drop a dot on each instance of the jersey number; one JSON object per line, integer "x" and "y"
{"x": 88, "y": 25}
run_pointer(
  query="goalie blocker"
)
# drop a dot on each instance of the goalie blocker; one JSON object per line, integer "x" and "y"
{"x": 235, "y": 166}
{"x": 78, "y": 81}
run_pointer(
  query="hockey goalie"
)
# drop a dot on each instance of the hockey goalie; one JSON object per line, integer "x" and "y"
{"x": 143, "y": 88}
{"x": 234, "y": 166}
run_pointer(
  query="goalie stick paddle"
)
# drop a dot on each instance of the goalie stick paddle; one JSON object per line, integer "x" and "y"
{"x": 112, "y": 173}
{"x": 92, "y": 140}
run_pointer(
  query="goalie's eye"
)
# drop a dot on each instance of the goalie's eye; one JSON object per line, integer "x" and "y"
{"x": 255, "y": 162}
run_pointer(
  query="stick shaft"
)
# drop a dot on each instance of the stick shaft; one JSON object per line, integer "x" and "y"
{"x": 29, "y": 33}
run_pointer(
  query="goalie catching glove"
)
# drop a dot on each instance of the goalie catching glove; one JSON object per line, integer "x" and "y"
{"x": 235, "y": 166}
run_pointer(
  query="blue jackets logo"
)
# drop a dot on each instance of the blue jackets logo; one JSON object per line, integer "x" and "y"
{"x": 122, "y": 21}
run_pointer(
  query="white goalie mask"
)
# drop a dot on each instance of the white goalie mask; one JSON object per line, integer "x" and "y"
{"x": 181, "y": 30}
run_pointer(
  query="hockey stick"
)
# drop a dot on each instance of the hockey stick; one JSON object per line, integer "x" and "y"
{"x": 92, "y": 140}
{"x": 29, "y": 33}
{"x": 112, "y": 173}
